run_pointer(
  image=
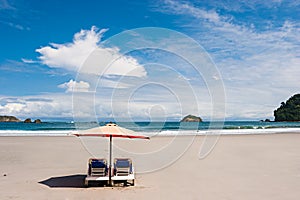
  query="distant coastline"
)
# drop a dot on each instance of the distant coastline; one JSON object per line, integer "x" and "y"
{"x": 6, "y": 118}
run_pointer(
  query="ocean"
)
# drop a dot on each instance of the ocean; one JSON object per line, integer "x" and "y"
{"x": 152, "y": 128}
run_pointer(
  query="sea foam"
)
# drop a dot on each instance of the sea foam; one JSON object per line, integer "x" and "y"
{"x": 158, "y": 133}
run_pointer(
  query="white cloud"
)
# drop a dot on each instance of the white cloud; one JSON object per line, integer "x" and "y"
{"x": 259, "y": 66}
{"x": 73, "y": 86}
{"x": 4, "y": 5}
{"x": 16, "y": 26}
{"x": 173, "y": 98}
{"x": 52, "y": 105}
{"x": 113, "y": 84}
{"x": 12, "y": 107}
{"x": 185, "y": 7}
{"x": 29, "y": 61}
{"x": 71, "y": 55}
{"x": 87, "y": 54}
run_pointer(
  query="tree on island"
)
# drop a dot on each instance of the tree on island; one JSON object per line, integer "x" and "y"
{"x": 289, "y": 110}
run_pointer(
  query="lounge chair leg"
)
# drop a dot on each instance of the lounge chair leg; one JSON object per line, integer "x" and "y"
{"x": 132, "y": 182}
{"x": 86, "y": 183}
{"x": 110, "y": 185}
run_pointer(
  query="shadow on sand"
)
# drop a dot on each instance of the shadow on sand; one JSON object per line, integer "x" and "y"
{"x": 72, "y": 181}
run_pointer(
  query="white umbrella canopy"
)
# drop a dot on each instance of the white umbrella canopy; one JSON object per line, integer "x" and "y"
{"x": 110, "y": 130}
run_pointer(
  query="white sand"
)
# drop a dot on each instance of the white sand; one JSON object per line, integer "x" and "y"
{"x": 240, "y": 167}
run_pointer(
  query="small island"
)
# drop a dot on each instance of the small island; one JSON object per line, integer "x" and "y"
{"x": 37, "y": 121}
{"x": 6, "y": 118}
{"x": 289, "y": 111}
{"x": 191, "y": 118}
{"x": 28, "y": 120}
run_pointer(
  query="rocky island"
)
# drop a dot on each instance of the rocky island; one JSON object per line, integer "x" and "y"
{"x": 289, "y": 111}
{"x": 6, "y": 118}
{"x": 191, "y": 118}
{"x": 28, "y": 120}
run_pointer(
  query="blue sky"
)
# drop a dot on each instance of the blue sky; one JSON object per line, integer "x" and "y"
{"x": 255, "y": 46}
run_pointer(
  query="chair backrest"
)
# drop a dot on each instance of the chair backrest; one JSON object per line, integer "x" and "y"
{"x": 122, "y": 166}
{"x": 98, "y": 164}
{"x": 123, "y": 163}
{"x": 97, "y": 167}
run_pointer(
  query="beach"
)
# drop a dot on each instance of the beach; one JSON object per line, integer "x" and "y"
{"x": 239, "y": 167}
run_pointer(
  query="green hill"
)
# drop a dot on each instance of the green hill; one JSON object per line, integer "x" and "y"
{"x": 289, "y": 110}
{"x": 191, "y": 118}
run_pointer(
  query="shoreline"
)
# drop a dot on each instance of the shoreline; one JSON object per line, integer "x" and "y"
{"x": 162, "y": 133}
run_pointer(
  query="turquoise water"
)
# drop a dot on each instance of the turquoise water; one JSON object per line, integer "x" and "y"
{"x": 152, "y": 128}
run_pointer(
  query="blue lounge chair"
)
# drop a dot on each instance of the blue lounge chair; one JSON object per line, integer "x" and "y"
{"x": 97, "y": 167}
{"x": 122, "y": 166}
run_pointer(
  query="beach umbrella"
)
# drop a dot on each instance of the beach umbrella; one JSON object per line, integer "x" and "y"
{"x": 110, "y": 130}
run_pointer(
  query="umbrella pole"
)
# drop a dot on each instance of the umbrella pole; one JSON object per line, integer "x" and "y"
{"x": 110, "y": 156}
